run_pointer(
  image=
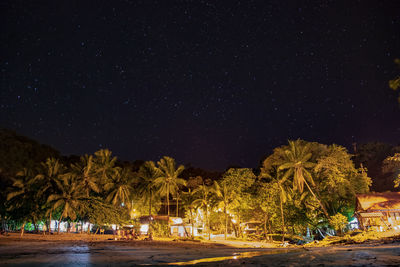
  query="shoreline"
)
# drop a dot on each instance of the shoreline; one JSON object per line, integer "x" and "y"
{"x": 83, "y": 250}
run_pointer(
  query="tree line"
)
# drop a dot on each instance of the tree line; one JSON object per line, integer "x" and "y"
{"x": 301, "y": 187}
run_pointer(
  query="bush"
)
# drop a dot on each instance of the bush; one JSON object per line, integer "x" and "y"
{"x": 338, "y": 222}
{"x": 159, "y": 228}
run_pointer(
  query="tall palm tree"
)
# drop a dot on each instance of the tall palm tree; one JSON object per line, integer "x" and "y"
{"x": 21, "y": 198}
{"x": 84, "y": 171}
{"x": 50, "y": 172}
{"x": 188, "y": 202}
{"x": 104, "y": 165}
{"x": 169, "y": 180}
{"x": 225, "y": 197}
{"x": 147, "y": 174}
{"x": 204, "y": 201}
{"x": 69, "y": 198}
{"x": 119, "y": 188}
{"x": 297, "y": 165}
{"x": 283, "y": 196}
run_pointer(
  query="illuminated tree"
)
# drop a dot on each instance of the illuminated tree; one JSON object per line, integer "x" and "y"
{"x": 338, "y": 222}
{"x": 326, "y": 173}
{"x": 46, "y": 181}
{"x": 392, "y": 165}
{"x": 265, "y": 204}
{"x": 226, "y": 198}
{"x": 240, "y": 180}
{"x": 104, "y": 165}
{"x": 85, "y": 173}
{"x": 189, "y": 204}
{"x": 203, "y": 201}
{"x": 49, "y": 173}
{"x": 297, "y": 165}
{"x": 21, "y": 201}
{"x": 283, "y": 196}
{"x": 338, "y": 181}
{"x": 147, "y": 174}
{"x": 169, "y": 180}
{"x": 69, "y": 198}
{"x": 119, "y": 188}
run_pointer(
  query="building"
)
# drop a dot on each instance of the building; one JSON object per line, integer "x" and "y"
{"x": 379, "y": 211}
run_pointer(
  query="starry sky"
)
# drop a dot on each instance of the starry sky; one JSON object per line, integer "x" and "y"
{"x": 211, "y": 83}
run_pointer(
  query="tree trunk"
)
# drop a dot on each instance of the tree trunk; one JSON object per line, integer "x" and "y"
{"x": 23, "y": 229}
{"x": 319, "y": 202}
{"x": 150, "y": 217}
{"x": 239, "y": 227}
{"x": 192, "y": 221}
{"x": 151, "y": 197}
{"x": 50, "y": 221}
{"x": 270, "y": 229}
{"x": 59, "y": 222}
{"x": 226, "y": 222}
{"x": 169, "y": 225}
{"x": 283, "y": 222}
{"x": 265, "y": 227}
{"x": 208, "y": 225}
{"x": 177, "y": 204}
{"x": 35, "y": 227}
{"x": 168, "y": 202}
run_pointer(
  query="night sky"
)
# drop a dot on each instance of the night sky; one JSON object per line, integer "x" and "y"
{"x": 211, "y": 83}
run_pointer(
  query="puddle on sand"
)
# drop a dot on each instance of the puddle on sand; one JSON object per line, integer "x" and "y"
{"x": 235, "y": 256}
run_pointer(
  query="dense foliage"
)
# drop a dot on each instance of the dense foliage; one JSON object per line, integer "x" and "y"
{"x": 301, "y": 187}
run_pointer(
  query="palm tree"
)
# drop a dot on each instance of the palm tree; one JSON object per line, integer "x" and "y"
{"x": 283, "y": 195}
{"x": 225, "y": 198}
{"x": 204, "y": 201}
{"x": 297, "y": 164}
{"x": 69, "y": 198}
{"x": 120, "y": 188}
{"x": 85, "y": 172}
{"x": 188, "y": 202}
{"x": 50, "y": 171}
{"x": 169, "y": 180}
{"x": 147, "y": 174}
{"x": 104, "y": 165}
{"x": 21, "y": 198}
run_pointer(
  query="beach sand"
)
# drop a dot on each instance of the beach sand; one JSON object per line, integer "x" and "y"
{"x": 90, "y": 250}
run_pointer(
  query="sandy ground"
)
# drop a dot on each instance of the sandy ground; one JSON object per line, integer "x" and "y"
{"x": 84, "y": 250}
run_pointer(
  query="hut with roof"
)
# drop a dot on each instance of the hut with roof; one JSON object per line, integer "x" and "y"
{"x": 379, "y": 211}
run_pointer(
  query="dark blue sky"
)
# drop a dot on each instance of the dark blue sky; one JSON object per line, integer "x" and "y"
{"x": 211, "y": 83}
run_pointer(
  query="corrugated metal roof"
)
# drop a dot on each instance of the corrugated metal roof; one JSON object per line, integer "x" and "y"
{"x": 371, "y": 214}
{"x": 378, "y": 201}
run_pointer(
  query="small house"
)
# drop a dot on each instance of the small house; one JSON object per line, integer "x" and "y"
{"x": 180, "y": 228}
{"x": 379, "y": 211}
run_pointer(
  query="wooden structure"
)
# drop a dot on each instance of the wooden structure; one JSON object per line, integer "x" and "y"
{"x": 380, "y": 211}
